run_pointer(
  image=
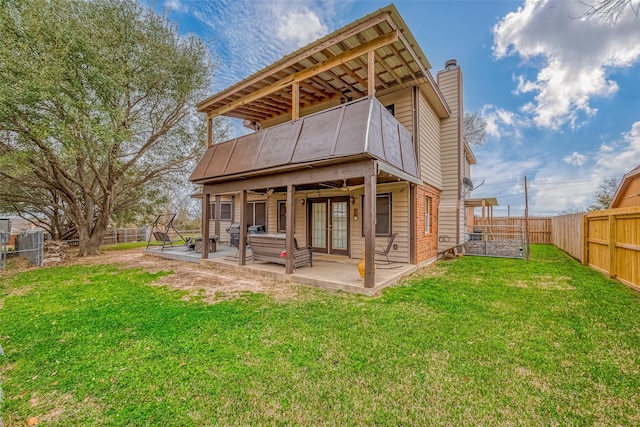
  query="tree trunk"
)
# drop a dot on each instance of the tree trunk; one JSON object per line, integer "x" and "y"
{"x": 89, "y": 240}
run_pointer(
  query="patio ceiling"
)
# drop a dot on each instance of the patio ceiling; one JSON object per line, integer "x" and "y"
{"x": 331, "y": 69}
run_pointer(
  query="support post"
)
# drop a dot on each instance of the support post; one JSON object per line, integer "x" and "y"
{"x": 206, "y": 213}
{"x": 413, "y": 253}
{"x": 289, "y": 239}
{"x": 484, "y": 222}
{"x": 242, "y": 244}
{"x": 526, "y": 218}
{"x": 371, "y": 73}
{"x": 209, "y": 132}
{"x": 369, "y": 218}
{"x": 613, "y": 271}
{"x": 585, "y": 240}
{"x": 216, "y": 226}
{"x": 295, "y": 101}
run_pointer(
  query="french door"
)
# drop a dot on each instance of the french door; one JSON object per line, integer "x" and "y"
{"x": 329, "y": 225}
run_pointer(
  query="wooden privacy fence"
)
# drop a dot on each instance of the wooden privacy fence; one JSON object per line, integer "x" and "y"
{"x": 567, "y": 234}
{"x": 608, "y": 241}
{"x": 539, "y": 227}
{"x": 612, "y": 243}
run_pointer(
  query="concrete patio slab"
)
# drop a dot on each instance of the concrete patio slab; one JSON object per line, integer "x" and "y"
{"x": 337, "y": 273}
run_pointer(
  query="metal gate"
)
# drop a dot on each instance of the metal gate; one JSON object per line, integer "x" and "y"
{"x": 504, "y": 241}
{"x": 30, "y": 245}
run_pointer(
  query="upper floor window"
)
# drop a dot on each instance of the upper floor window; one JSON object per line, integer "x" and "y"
{"x": 391, "y": 108}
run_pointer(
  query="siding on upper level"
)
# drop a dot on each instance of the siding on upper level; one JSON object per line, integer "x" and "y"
{"x": 403, "y": 107}
{"x": 429, "y": 139}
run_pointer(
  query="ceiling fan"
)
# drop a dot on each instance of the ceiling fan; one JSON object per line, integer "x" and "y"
{"x": 346, "y": 187}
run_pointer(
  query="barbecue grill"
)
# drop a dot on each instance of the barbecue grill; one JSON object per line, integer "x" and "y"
{"x": 234, "y": 233}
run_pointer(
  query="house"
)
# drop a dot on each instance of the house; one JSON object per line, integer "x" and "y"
{"x": 354, "y": 143}
{"x": 628, "y": 192}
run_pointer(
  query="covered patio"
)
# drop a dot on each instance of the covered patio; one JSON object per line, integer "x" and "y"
{"x": 328, "y": 272}
{"x": 344, "y": 156}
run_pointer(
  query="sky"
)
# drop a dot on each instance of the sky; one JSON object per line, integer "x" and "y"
{"x": 560, "y": 93}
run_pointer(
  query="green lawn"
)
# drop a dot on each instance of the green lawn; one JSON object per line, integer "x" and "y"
{"x": 476, "y": 341}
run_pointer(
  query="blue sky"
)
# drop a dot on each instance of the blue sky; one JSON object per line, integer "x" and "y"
{"x": 560, "y": 94}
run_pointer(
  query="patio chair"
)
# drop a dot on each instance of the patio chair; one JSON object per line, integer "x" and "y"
{"x": 384, "y": 251}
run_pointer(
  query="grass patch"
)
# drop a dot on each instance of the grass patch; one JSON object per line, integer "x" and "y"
{"x": 123, "y": 246}
{"x": 476, "y": 341}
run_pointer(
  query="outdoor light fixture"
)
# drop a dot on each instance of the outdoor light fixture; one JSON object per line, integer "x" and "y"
{"x": 353, "y": 200}
{"x": 302, "y": 202}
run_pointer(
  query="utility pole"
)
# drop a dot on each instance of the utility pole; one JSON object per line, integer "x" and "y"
{"x": 526, "y": 219}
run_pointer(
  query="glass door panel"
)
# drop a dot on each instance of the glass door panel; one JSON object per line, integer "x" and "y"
{"x": 339, "y": 222}
{"x": 319, "y": 225}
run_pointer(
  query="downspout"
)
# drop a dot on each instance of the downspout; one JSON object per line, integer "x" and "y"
{"x": 412, "y": 188}
{"x": 460, "y": 154}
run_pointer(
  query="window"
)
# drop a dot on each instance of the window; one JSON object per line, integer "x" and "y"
{"x": 256, "y": 213}
{"x": 427, "y": 214}
{"x": 392, "y": 109}
{"x": 282, "y": 216}
{"x": 226, "y": 211}
{"x": 383, "y": 215}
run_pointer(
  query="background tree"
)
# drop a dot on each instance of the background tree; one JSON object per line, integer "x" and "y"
{"x": 474, "y": 129}
{"x": 610, "y": 10}
{"x": 96, "y": 110}
{"x": 604, "y": 194}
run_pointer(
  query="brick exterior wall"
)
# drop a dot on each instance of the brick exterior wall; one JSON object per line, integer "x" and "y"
{"x": 426, "y": 243}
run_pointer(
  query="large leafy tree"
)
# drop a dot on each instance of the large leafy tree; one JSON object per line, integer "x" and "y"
{"x": 96, "y": 109}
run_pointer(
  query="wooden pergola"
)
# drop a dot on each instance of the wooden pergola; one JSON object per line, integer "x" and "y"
{"x": 486, "y": 203}
{"x": 373, "y": 55}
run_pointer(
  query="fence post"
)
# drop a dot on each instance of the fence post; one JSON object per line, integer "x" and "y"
{"x": 612, "y": 246}
{"x": 585, "y": 240}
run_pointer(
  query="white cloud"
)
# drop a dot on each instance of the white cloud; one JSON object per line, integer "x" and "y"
{"x": 554, "y": 186}
{"x": 556, "y": 189}
{"x": 250, "y": 35}
{"x": 175, "y": 5}
{"x": 298, "y": 28}
{"x": 576, "y": 55}
{"x": 502, "y": 123}
{"x": 620, "y": 157}
{"x": 575, "y": 159}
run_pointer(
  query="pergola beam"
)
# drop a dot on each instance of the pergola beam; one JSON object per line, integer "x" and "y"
{"x": 309, "y": 72}
{"x": 202, "y": 106}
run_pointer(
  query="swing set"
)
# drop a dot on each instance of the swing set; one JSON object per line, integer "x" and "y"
{"x": 160, "y": 232}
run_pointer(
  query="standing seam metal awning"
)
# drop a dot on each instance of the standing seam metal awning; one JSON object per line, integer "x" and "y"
{"x": 362, "y": 128}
